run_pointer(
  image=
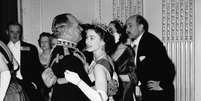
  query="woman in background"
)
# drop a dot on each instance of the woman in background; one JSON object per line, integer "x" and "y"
{"x": 53, "y": 41}
{"x": 101, "y": 69}
{"x": 116, "y": 30}
{"x": 45, "y": 45}
{"x": 123, "y": 59}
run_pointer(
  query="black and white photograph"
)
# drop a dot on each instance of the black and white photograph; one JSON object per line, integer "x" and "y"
{"x": 100, "y": 50}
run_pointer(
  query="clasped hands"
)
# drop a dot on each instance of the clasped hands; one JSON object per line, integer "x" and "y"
{"x": 48, "y": 77}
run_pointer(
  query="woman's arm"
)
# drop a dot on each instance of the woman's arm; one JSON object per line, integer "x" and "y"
{"x": 5, "y": 77}
{"x": 97, "y": 94}
{"x": 92, "y": 94}
{"x": 61, "y": 81}
{"x": 124, "y": 78}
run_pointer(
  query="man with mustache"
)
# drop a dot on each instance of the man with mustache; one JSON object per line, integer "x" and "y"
{"x": 155, "y": 70}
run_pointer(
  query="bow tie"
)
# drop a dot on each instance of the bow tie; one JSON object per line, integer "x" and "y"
{"x": 133, "y": 45}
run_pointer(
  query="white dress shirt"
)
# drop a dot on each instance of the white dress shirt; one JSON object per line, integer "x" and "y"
{"x": 15, "y": 49}
{"x": 136, "y": 43}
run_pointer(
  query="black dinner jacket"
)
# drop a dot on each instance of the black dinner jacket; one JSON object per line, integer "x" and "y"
{"x": 30, "y": 64}
{"x": 153, "y": 63}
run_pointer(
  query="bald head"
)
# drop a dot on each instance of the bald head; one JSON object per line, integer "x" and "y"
{"x": 66, "y": 18}
{"x": 66, "y": 26}
{"x": 135, "y": 26}
{"x": 140, "y": 20}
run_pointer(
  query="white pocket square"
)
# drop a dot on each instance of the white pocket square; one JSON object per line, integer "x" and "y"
{"x": 142, "y": 58}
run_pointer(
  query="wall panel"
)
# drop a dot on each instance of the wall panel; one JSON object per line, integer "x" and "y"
{"x": 178, "y": 37}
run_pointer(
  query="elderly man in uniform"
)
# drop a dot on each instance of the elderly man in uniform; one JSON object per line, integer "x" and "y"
{"x": 65, "y": 56}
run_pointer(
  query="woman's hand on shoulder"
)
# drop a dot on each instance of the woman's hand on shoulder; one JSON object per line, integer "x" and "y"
{"x": 72, "y": 77}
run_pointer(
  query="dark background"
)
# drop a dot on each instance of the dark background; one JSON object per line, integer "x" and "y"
{"x": 8, "y": 11}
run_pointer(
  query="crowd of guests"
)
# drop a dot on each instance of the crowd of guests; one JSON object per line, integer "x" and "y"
{"x": 86, "y": 62}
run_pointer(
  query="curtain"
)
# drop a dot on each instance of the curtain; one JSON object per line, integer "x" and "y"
{"x": 178, "y": 37}
{"x": 8, "y": 11}
{"x": 122, "y": 9}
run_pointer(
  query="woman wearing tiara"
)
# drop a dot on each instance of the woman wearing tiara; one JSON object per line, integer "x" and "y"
{"x": 101, "y": 70}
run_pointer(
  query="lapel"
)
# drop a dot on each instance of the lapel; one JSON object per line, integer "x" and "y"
{"x": 22, "y": 55}
{"x": 140, "y": 49}
{"x": 25, "y": 47}
{"x": 24, "y": 51}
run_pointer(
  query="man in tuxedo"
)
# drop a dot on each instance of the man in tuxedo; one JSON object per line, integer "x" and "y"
{"x": 66, "y": 56}
{"x": 27, "y": 62}
{"x": 155, "y": 70}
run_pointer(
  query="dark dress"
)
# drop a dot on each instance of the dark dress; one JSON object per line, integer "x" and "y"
{"x": 64, "y": 58}
{"x": 124, "y": 65}
{"x": 15, "y": 91}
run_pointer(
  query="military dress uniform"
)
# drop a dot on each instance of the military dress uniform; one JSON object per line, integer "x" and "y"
{"x": 65, "y": 56}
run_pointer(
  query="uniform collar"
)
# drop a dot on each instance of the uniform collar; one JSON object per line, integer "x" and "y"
{"x": 62, "y": 42}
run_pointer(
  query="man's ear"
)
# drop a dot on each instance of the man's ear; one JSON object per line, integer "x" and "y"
{"x": 141, "y": 27}
{"x": 102, "y": 43}
{"x": 6, "y": 32}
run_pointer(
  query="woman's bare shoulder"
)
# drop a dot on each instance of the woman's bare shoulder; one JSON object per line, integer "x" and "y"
{"x": 121, "y": 48}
